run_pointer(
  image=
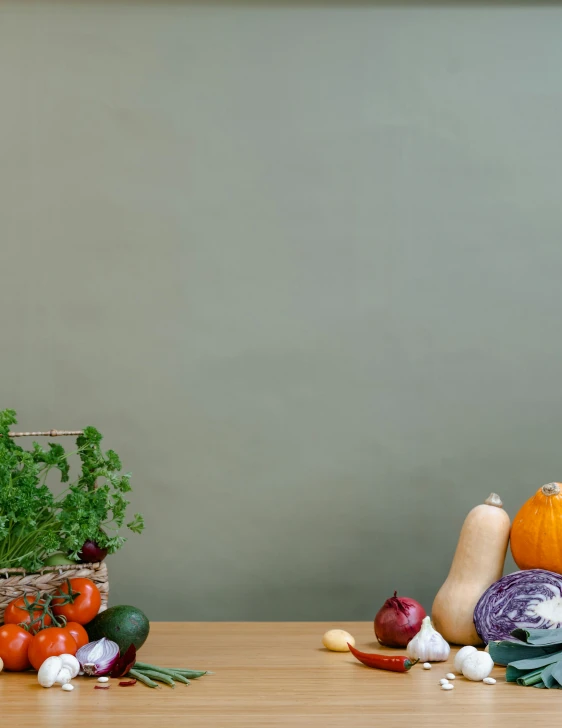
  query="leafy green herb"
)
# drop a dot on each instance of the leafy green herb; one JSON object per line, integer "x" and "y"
{"x": 34, "y": 523}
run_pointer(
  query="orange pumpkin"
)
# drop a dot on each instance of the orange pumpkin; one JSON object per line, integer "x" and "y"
{"x": 536, "y": 532}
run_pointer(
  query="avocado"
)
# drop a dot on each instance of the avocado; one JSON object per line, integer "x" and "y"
{"x": 122, "y": 624}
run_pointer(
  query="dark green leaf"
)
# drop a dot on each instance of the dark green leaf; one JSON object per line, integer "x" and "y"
{"x": 539, "y": 637}
{"x": 505, "y": 652}
{"x": 536, "y": 662}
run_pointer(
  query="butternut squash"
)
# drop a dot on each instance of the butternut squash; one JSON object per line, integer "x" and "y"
{"x": 478, "y": 563}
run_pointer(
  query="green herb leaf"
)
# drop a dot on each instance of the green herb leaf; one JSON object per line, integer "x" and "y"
{"x": 34, "y": 524}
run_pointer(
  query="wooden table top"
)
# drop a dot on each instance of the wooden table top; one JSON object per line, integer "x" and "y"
{"x": 274, "y": 674}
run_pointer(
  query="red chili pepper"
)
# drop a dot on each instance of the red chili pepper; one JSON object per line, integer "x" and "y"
{"x": 126, "y": 683}
{"x": 383, "y": 662}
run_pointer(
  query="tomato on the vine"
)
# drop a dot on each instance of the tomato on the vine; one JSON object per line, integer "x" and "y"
{"x": 78, "y": 632}
{"x": 84, "y": 607}
{"x": 16, "y": 613}
{"x": 49, "y": 642}
{"x": 14, "y": 645}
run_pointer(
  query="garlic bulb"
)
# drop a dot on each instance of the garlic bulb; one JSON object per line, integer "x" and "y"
{"x": 428, "y": 645}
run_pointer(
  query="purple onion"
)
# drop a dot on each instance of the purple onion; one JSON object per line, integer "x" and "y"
{"x": 91, "y": 552}
{"x": 99, "y": 657}
{"x": 530, "y": 599}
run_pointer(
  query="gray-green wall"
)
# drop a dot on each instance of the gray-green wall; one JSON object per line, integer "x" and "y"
{"x": 301, "y": 264}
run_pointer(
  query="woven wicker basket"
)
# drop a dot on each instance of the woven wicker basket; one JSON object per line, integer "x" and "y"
{"x": 17, "y": 582}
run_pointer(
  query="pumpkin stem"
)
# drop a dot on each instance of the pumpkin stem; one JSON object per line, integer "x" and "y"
{"x": 551, "y": 489}
{"x": 494, "y": 500}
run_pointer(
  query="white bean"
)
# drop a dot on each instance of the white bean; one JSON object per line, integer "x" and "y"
{"x": 447, "y": 686}
{"x": 489, "y": 681}
{"x": 426, "y": 666}
{"x": 443, "y": 681}
{"x": 103, "y": 679}
{"x": 68, "y": 687}
{"x": 450, "y": 676}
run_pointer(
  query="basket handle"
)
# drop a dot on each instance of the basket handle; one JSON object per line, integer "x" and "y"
{"x": 49, "y": 433}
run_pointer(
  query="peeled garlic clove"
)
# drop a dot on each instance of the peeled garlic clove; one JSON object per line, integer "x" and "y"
{"x": 337, "y": 639}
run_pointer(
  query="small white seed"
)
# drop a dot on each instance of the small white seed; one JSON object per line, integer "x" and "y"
{"x": 450, "y": 676}
{"x": 443, "y": 681}
{"x": 489, "y": 681}
{"x": 103, "y": 679}
{"x": 426, "y": 666}
{"x": 447, "y": 686}
{"x": 68, "y": 687}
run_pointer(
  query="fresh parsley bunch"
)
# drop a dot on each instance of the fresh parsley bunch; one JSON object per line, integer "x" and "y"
{"x": 34, "y": 523}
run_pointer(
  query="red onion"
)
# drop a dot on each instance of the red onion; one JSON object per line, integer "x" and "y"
{"x": 398, "y": 620}
{"x": 98, "y": 658}
{"x": 91, "y": 553}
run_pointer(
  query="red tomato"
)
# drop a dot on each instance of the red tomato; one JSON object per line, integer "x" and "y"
{"x": 14, "y": 644}
{"x": 16, "y": 613}
{"x": 49, "y": 642}
{"x": 84, "y": 607}
{"x": 78, "y": 632}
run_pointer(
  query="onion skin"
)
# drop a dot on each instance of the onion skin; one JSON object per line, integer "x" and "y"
{"x": 398, "y": 621}
{"x": 91, "y": 553}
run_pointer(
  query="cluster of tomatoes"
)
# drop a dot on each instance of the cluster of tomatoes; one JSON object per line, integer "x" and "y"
{"x": 29, "y": 636}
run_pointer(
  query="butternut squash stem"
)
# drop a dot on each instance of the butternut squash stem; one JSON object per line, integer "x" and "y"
{"x": 494, "y": 500}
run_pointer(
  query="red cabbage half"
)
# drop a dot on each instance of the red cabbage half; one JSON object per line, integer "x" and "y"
{"x": 530, "y": 599}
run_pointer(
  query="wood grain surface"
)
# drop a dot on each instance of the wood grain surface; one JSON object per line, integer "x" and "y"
{"x": 274, "y": 674}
